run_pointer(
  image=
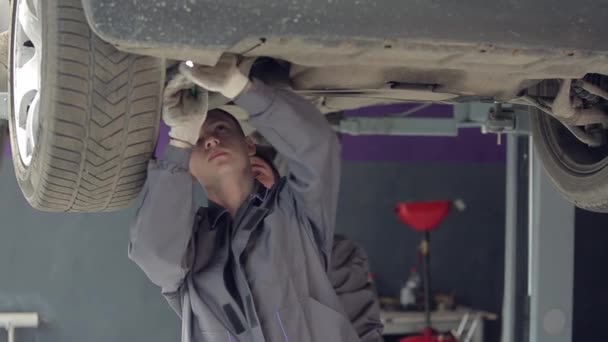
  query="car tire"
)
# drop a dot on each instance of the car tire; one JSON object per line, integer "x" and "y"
{"x": 99, "y": 114}
{"x": 578, "y": 171}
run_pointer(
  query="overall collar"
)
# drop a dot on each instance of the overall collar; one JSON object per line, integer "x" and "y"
{"x": 218, "y": 214}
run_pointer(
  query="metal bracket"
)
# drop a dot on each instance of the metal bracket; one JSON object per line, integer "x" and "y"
{"x": 512, "y": 119}
{"x": 12, "y": 321}
{"x": 490, "y": 118}
{"x": 500, "y": 120}
{"x": 398, "y": 126}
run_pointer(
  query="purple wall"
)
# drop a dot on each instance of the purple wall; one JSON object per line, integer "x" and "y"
{"x": 469, "y": 147}
{"x": 163, "y": 139}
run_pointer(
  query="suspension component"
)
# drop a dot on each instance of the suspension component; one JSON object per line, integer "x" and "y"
{"x": 578, "y": 88}
{"x": 577, "y": 105}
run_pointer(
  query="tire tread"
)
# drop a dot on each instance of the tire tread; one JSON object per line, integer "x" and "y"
{"x": 105, "y": 124}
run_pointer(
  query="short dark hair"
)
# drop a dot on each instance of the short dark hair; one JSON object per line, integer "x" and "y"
{"x": 230, "y": 117}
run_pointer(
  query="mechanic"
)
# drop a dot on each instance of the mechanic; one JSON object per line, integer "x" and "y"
{"x": 349, "y": 271}
{"x": 252, "y": 266}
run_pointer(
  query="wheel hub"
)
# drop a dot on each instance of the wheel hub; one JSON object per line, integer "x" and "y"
{"x": 26, "y": 80}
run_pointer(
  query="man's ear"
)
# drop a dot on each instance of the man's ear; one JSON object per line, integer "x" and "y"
{"x": 250, "y": 146}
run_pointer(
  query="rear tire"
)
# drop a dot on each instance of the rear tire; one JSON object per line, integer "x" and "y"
{"x": 577, "y": 170}
{"x": 98, "y": 121}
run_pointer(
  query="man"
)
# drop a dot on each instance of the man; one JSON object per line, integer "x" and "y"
{"x": 349, "y": 268}
{"x": 253, "y": 265}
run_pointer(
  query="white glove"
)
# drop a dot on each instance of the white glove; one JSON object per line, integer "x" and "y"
{"x": 225, "y": 77}
{"x": 183, "y": 111}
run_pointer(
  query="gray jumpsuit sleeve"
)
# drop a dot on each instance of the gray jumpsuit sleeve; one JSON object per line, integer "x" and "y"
{"x": 299, "y": 132}
{"x": 160, "y": 237}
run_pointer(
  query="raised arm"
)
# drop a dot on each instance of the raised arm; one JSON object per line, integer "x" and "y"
{"x": 160, "y": 241}
{"x": 161, "y": 235}
{"x": 300, "y": 133}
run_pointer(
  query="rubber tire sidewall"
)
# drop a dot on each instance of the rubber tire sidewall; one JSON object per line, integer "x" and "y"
{"x": 585, "y": 191}
{"x": 28, "y": 176}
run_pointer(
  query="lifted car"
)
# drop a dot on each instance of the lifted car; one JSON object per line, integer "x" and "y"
{"x": 86, "y": 76}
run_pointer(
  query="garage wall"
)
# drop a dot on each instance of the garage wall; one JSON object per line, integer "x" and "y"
{"x": 468, "y": 249}
{"x": 379, "y": 171}
{"x": 74, "y": 271}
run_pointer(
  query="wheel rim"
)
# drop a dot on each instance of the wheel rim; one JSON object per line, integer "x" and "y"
{"x": 572, "y": 154}
{"x": 26, "y": 70}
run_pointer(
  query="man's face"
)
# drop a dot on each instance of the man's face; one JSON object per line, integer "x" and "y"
{"x": 221, "y": 151}
{"x": 262, "y": 172}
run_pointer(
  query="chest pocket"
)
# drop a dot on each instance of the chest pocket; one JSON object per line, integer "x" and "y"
{"x": 208, "y": 244}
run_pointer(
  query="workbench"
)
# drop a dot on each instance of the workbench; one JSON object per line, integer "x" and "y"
{"x": 412, "y": 322}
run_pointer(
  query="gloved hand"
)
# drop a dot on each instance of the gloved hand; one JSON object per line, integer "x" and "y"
{"x": 225, "y": 77}
{"x": 183, "y": 111}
